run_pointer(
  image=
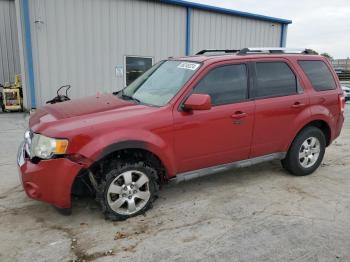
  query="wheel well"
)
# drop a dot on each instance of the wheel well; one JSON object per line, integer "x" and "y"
{"x": 324, "y": 127}
{"x": 137, "y": 155}
{"x": 82, "y": 184}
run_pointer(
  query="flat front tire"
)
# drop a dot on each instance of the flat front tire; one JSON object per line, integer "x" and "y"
{"x": 306, "y": 152}
{"x": 128, "y": 190}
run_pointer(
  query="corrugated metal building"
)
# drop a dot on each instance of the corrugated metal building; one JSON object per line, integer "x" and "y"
{"x": 341, "y": 64}
{"x": 102, "y": 45}
{"x": 9, "y": 52}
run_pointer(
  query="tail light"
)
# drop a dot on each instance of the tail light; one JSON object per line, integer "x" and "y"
{"x": 341, "y": 101}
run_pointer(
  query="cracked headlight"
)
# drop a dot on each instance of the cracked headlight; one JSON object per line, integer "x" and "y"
{"x": 46, "y": 147}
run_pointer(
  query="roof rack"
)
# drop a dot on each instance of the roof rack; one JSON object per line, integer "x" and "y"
{"x": 226, "y": 51}
{"x": 258, "y": 50}
{"x": 276, "y": 50}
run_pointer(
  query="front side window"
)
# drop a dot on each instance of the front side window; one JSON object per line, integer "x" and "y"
{"x": 318, "y": 74}
{"x": 161, "y": 83}
{"x": 226, "y": 84}
{"x": 274, "y": 79}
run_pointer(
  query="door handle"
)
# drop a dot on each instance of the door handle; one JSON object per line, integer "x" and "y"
{"x": 239, "y": 115}
{"x": 297, "y": 105}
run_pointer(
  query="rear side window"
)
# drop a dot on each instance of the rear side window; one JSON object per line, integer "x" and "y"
{"x": 274, "y": 79}
{"x": 225, "y": 85}
{"x": 318, "y": 74}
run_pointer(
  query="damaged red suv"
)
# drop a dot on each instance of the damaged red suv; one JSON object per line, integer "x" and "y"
{"x": 184, "y": 118}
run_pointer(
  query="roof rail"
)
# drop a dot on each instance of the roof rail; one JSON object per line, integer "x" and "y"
{"x": 276, "y": 50}
{"x": 226, "y": 51}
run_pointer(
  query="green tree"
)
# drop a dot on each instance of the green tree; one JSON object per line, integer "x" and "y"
{"x": 311, "y": 51}
{"x": 327, "y": 56}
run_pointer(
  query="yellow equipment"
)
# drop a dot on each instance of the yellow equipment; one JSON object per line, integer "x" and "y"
{"x": 12, "y": 96}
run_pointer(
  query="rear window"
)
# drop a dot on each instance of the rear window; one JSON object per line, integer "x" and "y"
{"x": 318, "y": 74}
{"x": 274, "y": 79}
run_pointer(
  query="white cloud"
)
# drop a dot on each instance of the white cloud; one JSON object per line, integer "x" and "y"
{"x": 318, "y": 24}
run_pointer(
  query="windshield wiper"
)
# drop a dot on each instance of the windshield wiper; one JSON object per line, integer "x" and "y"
{"x": 127, "y": 97}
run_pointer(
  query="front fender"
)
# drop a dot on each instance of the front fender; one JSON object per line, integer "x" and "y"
{"x": 98, "y": 147}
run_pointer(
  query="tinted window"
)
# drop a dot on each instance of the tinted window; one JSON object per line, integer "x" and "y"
{"x": 318, "y": 74}
{"x": 274, "y": 79}
{"x": 225, "y": 85}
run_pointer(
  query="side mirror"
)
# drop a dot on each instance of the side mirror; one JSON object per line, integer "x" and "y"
{"x": 198, "y": 102}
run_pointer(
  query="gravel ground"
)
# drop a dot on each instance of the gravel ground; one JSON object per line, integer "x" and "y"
{"x": 253, "y": 214}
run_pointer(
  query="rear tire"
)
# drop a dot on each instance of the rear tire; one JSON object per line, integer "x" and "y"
{"x": 129, "y": 189}
{"x": 306, "y": 152}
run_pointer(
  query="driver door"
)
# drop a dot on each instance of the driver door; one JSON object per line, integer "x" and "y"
{"x": 222, "y": 134}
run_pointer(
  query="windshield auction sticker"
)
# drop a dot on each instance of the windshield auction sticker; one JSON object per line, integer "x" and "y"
{"x": 188, "y": 66}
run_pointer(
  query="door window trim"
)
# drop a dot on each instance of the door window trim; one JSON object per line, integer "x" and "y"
{"x": 134, "y": 56}
{"x": 299, "y": 88}
{"x": 215, "y": 66}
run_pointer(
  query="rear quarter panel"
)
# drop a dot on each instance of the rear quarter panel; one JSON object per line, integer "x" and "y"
{"x": 323, "y": 105}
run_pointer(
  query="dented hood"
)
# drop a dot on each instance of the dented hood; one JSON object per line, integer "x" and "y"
{"x": 78, "y": 107}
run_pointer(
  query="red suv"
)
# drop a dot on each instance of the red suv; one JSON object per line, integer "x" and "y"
{"x": 184, "y": 118}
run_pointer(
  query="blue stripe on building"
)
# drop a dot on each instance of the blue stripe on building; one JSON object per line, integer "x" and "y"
{"x": 28, "y": 43}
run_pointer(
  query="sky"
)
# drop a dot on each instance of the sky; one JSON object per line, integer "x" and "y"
{"x": 322, "y": 25}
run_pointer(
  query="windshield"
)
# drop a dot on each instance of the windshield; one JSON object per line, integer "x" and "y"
{"x": 160, "y": 83}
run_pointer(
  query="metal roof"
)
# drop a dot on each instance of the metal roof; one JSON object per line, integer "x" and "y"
{"x": 227, "y": 11}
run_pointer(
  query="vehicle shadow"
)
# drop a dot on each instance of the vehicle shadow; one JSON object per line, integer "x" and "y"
{"x": 233, "y": 180}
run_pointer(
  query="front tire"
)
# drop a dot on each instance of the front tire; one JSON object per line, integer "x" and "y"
{"x": 306, "y": 152}
{"x": 129, "y": 189}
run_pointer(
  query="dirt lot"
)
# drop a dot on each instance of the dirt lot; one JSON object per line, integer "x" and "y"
{"x": 254, "y": 214}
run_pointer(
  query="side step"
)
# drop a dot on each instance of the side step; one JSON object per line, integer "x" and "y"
{"x": 181, "y": 177}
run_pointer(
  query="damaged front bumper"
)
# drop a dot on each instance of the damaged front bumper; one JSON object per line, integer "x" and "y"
{"x": 47, "y": 180}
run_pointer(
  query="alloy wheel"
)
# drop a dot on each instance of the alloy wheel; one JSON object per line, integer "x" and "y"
{"x": 129, "y": 192}
{"x": 309, "y": 152}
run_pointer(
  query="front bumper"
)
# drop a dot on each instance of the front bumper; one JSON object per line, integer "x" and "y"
{"x": 49, "y": 180}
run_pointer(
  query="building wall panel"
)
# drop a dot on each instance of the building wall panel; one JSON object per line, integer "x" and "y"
{"x": 9, "y": 50}
{"x": 81, "y": 42}
{"x": 222, "y": 31}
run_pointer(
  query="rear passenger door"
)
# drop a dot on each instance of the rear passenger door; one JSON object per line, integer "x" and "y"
{"x": 279, "y": 99}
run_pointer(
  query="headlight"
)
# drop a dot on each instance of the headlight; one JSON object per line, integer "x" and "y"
{"x": 45, "y": 147}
